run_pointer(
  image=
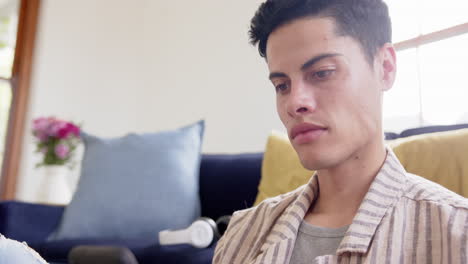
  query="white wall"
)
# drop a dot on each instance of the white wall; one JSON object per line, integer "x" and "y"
{"x": 122, "y": 66}
{"x": 201, "y": 65}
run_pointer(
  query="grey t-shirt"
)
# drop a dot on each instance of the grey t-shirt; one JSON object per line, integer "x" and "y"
{"x": 313, "y": 241}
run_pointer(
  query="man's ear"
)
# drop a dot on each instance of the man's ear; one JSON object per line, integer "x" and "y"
{"x": 386, "y": 65}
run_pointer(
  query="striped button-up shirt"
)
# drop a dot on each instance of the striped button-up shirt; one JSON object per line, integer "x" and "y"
{"x": 403, "y": 219}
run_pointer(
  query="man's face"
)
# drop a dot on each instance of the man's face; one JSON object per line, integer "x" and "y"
{"x": 328, "y": 96}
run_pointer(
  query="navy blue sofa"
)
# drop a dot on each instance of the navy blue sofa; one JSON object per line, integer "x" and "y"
{"x": 227, "y": 183}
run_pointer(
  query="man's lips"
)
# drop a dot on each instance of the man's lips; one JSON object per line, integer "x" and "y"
{"x": 305, "y": 128}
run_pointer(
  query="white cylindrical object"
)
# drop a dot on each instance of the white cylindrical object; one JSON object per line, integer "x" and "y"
{"x": 200, "y": 235}
{"x": 54, "y": 188}
{"x": 169, "y": 237}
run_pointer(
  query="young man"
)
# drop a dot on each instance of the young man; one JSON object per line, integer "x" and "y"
{"x": 330, "y": 62}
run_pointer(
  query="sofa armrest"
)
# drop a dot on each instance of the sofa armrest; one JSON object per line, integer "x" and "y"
{"x": 28, "y": 222}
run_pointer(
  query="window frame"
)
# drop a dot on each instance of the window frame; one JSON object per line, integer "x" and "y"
{"x": 432, "y": 37}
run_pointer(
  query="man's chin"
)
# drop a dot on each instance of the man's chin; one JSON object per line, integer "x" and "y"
{"x": 311, "y": 157}
{"x": 313, "y": 162}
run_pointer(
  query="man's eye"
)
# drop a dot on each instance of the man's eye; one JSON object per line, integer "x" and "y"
{"x": 282, "y": 87}
{"x": 323, "y": 74}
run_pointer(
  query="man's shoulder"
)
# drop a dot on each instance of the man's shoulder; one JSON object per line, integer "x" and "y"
{"x": 261, "y": 218}
{"x": 12, "y": 251}
{"x": 422, "y": 190}
{"x": 276, "y": 205}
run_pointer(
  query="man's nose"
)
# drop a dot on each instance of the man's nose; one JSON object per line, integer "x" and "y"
{"x": 301, "y": 99}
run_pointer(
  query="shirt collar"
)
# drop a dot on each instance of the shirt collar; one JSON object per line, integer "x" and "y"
{"x": 384, "y": 192}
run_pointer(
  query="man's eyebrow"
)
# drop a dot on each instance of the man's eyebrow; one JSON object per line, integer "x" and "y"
{"x": 277, "y": 75}
{"x": 306, "y": 65}
{"x": 317, "y": 59}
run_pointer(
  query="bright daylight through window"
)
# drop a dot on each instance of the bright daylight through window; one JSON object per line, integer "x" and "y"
{"x": 8, "y": 28}
{"x": 431, "y": 37}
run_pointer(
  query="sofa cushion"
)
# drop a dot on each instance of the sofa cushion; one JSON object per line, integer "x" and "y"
{"x": 282, "y": 170}
{"x": 135, "y": 186}
{"x": 440, "y": 157}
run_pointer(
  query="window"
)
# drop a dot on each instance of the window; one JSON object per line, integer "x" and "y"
{"x": 8, "y": 29}
{"x": 430, "y": 37}
{"x": 18, "y": 21}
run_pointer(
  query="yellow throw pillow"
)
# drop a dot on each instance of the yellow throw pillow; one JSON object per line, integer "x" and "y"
{"x": 282, "y": 170}
{"x": 440, "y": 157}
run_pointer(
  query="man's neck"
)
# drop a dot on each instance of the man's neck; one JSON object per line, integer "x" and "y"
{"x": 343, "y": 187}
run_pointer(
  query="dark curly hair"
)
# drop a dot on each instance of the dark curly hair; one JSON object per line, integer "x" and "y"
{"x": 367, "y": 21}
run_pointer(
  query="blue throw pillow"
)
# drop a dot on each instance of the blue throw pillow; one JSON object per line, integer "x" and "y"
{"x": 135, "y": 186}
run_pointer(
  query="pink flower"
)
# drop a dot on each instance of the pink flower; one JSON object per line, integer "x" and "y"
{"x": 40, "y": 127}
{"x": 40, "y": 124}
{"x": 68, "y": 130}
{"x": 56, "y": 135}
{"x": 75, "y": 130}
{"x": 55, "y": 126}
{"x": 62, "y": 150}
{"x": 42, "y": 136}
